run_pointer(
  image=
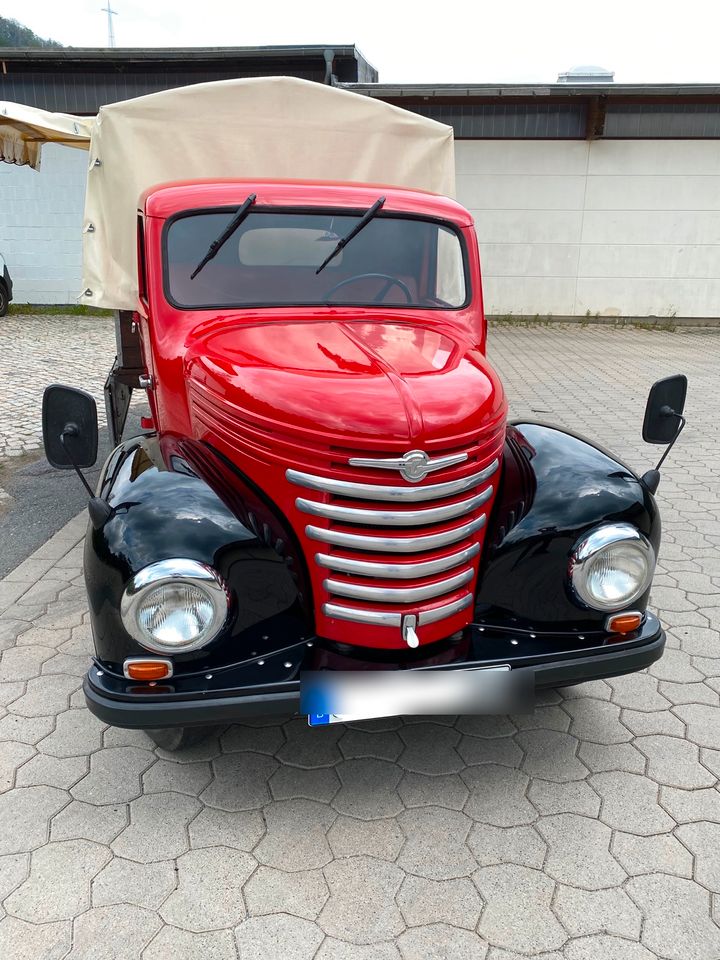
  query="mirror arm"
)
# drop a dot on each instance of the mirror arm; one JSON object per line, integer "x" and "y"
{"x": 668, "y": 412}
{"x": 100, "y": 510}
{"x": 71, "y": 430}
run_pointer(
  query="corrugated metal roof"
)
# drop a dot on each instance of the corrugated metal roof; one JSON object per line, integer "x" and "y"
{"x": 389, "y": 91}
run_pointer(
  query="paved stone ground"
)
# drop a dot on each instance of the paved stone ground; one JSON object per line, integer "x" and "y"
{"x": 589, "y": 830}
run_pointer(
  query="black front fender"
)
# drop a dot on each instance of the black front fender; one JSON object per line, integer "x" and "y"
{"x": 555, "y": 486}
{"x": 176, "y": 498}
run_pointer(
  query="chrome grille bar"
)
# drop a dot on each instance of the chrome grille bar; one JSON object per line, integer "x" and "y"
{"x": 394, "y": 518}
{"x": 396, "y": 544}
{"x": 440, "y": 613}
{"x": 380, "y": 618}
{"x": 397, "y": 463}
{"x": 396, "y": 571}
{"x": 371, "y": 491}
{"x": 359, "y": 591}
{"x": 387, "y": 619}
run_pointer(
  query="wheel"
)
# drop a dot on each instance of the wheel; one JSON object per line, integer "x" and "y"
{"x": 4, "y": 302}
{"x": 179, "y": 738}
{"x": 391, "y": 282}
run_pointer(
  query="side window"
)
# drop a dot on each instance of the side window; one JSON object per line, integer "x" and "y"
{"x": 450, "y": 274}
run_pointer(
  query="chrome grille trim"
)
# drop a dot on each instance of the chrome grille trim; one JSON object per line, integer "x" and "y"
{"x": 370, "y": 491}
{"x": 396, "y": 544}
{"x": 394, "y": 518}
{"x": 377, "y": 617}
{"x": 359, "y": 591}
{"x": 396, "y": 571}
{"x": 386, "y": 619}
{"x": 396, "y": 463}
{"x": 440, "y": 613}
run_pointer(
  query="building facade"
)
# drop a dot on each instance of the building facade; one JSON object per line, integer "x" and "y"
{"x": 589, "y": 200}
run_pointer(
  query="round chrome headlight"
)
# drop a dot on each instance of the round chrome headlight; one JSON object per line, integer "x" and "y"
{"x": 175, "y": 606}
{"x": 611, "y": 566}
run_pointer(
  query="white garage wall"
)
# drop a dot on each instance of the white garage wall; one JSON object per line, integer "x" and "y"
{"x": 40, "y": 225}
{"x": 616, "y": 227}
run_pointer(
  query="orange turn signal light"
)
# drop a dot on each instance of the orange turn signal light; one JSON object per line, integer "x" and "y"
{"x": 624, "y": 622}
{"x": 138, "y": 668}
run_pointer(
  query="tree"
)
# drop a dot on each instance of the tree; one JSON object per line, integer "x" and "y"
{"x": 14, "y": 34}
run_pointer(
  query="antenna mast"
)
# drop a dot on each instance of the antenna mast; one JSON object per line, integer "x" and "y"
{"x": 110, "y": 14}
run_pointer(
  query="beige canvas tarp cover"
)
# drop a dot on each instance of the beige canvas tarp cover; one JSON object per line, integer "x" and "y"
{"x": 276, "y": 127}
{"x": 23, "y": 130}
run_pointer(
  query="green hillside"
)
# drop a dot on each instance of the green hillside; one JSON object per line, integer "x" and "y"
{"x": 14, "y": 34}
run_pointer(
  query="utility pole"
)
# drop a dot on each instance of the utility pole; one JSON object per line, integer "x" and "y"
{"x": 110, "y": 14}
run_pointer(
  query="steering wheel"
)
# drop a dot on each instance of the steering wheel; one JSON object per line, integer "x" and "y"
{"x": 391, "y": 281}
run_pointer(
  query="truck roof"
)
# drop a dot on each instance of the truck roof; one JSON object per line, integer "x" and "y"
{"x": 166, "y": 199}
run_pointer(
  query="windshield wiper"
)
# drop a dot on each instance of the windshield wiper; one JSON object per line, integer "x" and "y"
{"x": 363, "y": 222}
{"x": 215, "y": 246}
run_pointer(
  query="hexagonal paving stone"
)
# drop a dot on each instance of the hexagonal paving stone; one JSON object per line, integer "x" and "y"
{"x": 578, "y": 852}
{"x": 362, "y": 907}
{"x": 86, "y": 821}
{"x": 12, "y": 757}
{"x": 292, "y": 938}
{"x": 131, "y": 929}
{"x": 157, "y": 828}
{"x": 497, "y": 750}
{"x": 45, "y": 696}
{"x": 368, "y": 789}
{"x": 300, "y": 894}
{"x": 58, "y": 885}
{"x": 209, "y": 891}
{"x": 551, "y": 755}
{"x": 20, "y": 940}
{"x": 689, "y": 806}
{"x": 240, "y": 781}
{"x": 674, "y": 762}
{"x": 435, "y": 847}
{"x": 380, "y": 744}
{"x": 375, "y": 838}
{"x": 597, "y": 721}
{"x": 703, "y": 841}
{"x": 658, "y": 854}
{"x": 77, "y": 733}
{"x": 423, "y": 790}
{"x": 52, "y": 771}
{"x": 424, "y": 901}
{"x": 677, "y": 917}
{"x": 576, "y": 796}
{"x": 25, "y": 815}
{"x": 239, "y": 829}
{"x": 296, "y": 836}
{"x": 301, "y": 783}
{"x": 189, "y": 778}
{"x": 584, "y": 912}
{"x": 495, "y": 845}
{"x": 498, "y": 796}
{"x": 255, "y": 739}
{"x": 601, "y": 758}
{"x": 511, "y": 892}
{"x": 638, "y": 691}
{"x": 311, "y": 746}
{"x": 114, "y": 775}
{"x": 630, "y": 803}
{"x": 703, "y": 723}
{"x": 23, "y": 663}
{"x": 142, "y": 884}
{"x": 430, "y": 748}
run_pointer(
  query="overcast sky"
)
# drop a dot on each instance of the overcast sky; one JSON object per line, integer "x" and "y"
{"x": 643, "y": 41}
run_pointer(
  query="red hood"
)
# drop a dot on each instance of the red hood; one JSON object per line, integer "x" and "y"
{"x": 351, "y": 381}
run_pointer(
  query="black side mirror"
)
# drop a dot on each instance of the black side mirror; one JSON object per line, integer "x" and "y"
{"x": 70, "y": 427}
{"x": 663, "y": 413}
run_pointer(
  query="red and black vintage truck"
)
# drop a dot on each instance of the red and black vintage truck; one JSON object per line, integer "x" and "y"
{"x": 329, "y": 485}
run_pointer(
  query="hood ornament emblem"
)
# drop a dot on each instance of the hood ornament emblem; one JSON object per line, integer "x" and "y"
{"x": 414, "y": 465}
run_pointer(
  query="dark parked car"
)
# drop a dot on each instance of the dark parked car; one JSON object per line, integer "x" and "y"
{"x": 5, "y": 287}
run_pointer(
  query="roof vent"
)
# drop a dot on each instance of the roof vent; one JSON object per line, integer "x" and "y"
{"x": 586, "y": 74}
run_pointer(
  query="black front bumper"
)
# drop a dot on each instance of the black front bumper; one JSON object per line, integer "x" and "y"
{"x": 234, "y": 693}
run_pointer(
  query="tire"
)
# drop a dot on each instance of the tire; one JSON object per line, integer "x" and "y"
{"x": 4, "y": 302}
{"x": 179, "y": 738}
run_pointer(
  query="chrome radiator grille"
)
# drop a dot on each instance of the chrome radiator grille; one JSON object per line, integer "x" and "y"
{"x": 390, "y": 552}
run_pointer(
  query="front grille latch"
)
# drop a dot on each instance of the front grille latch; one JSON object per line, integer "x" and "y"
{"x": 409, "y": 622}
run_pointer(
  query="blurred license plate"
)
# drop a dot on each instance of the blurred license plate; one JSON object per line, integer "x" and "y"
{"x": 329, "y": 696}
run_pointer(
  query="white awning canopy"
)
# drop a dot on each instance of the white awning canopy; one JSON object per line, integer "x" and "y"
{"x": 272, "y": 127}
{"x": 23, "y": 131}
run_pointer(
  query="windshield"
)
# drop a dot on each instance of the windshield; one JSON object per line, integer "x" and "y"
{"x": 272, "y": 259}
